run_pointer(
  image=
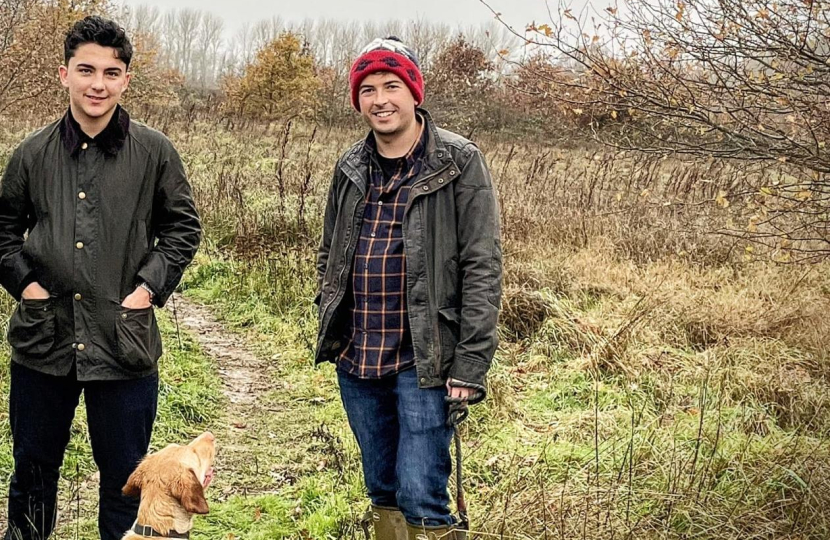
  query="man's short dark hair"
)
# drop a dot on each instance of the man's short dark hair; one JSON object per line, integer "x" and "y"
{"x": 103, "y": 32}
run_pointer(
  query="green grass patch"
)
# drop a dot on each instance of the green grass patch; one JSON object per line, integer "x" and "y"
{"x": 190, "y": 402}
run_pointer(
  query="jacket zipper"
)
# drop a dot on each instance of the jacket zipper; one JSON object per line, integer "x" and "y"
{"x": 437, "y": 351}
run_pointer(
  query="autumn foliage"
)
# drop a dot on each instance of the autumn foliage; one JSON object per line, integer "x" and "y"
{"x": 31, "y": 49}
{"x": 279, "y": 83}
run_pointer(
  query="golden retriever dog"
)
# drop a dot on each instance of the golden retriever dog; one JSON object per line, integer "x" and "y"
{"x": 172, "y": 485}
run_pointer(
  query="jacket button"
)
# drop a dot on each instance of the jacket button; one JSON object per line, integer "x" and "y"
{"x": 77, "y": 296}
{"x": 82, "y": 195}
{"x": 84, "y": 146}
{"x": 452, "y": 173}
{"x": 81, "y": 346}
{"x": 423, "y": 380}
{"x": 426, "y": 188}
{"x": 440, "y": 180}
{"x": 79, "y": 245}
{"x": 123, "y": 315}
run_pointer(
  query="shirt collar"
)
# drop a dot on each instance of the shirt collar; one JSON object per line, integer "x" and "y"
{"x": 415, "y": 153}
{"x": 110, "y": 140}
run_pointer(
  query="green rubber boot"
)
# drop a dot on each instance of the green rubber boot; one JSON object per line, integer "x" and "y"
{"x": 444, "y": 532}
{"x": 386, "y": 522}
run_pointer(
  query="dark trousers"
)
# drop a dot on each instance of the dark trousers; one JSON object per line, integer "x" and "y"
{"x": 120, "y": 415}
{"x": 404, "y": 443}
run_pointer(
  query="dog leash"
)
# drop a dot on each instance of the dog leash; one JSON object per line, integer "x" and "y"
{"x": 458, "y": 412}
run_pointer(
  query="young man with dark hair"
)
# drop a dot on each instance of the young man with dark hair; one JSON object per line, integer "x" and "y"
{"x": 97, "y": 224}
{"x": 409, "y": 276}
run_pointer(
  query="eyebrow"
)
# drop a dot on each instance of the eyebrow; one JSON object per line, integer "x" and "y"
{"x": 90, "y": 66}
{"x": 382, "y": 83}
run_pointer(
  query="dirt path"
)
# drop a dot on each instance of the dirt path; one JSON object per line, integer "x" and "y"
{"x": 243, "y": 373}
{"x": 245, "y": 379}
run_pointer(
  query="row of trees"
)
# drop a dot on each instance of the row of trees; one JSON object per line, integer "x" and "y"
{"x": 731, "y": 78}
{"x": 276, "y": 68}
{"x": 193, "y": 41}
{"x": 272, "y": 70}
{"x": 736, "y": 79}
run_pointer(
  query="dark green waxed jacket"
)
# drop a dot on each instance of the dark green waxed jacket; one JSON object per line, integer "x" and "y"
{"x": 89, "y": 222}
{"x": 453, "y": 259}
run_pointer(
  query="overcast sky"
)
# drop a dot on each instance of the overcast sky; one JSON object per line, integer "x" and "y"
{"x": 454, "y": 12}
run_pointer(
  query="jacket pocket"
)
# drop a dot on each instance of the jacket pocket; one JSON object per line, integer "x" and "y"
{"x": 138, "y": 342}
{"x": 32, "y": 327}
{"x": 449, "y": 326}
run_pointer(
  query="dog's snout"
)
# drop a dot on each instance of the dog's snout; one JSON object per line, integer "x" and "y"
{"x": 205, "y": 438}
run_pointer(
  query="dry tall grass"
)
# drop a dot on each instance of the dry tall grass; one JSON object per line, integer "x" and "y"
{"x": 656, "y": 380}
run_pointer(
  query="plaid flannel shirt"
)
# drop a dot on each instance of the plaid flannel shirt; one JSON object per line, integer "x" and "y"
{"x": 380, "y": 343}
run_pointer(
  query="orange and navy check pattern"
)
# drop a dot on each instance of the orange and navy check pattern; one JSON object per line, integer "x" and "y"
{"x": 380, "y": 343}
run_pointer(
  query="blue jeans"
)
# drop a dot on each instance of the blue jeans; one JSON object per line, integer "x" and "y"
{"x": 404, "y": 443}
{"x": 120, "y": 416}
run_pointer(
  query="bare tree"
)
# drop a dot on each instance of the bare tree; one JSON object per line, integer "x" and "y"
{"x": 141, "y": 19}
{"x": 210, "y": 45}
{"x": 266, "y": 31}
{"x": 188, "y": 22}
{"x": 739, "y": 79}
{"x": 426, "y": 39}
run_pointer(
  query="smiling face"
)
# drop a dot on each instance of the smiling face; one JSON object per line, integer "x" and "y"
{"x": 96, "y": 79}
{"x": 386, "y": 104}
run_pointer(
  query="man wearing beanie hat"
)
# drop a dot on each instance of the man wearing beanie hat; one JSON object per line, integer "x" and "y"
{"x": 409, "y": 273}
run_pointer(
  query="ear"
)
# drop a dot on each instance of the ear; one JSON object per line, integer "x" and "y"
{"x": 127, "y": 78}
{"x": 133, "y": 486}
{"x": 189, "y": 492}
{"x": 63, "y": 72}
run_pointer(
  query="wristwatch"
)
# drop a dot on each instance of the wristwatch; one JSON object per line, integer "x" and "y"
{"x": 147, "y": 288}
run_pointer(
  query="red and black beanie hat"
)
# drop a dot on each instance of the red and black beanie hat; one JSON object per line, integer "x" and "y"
{"x": 387, "y": 54}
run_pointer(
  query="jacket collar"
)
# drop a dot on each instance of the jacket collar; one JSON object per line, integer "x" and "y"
{"x": 110, "y": 140}
{"x": 149, "y": 532}
{"x": 435, "y": 154}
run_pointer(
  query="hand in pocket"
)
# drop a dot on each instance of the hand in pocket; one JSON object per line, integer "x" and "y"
{"x": 32, "y": 327}
{"x": 138, "y": 299}
{"x": 34, "y": 291}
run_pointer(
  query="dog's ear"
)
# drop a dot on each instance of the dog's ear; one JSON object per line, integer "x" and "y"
{"x": 133, "y": 486}
{"x": 189, "y": 492}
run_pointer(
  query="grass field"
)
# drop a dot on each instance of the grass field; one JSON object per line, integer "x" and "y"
{"x": 654, "y": 380}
